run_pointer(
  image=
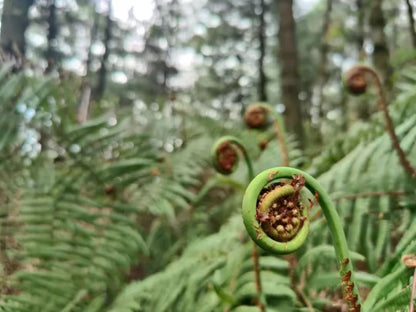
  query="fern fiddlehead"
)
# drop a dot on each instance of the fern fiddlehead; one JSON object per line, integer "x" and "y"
{"x": 355, "y": 79}
{"x": 225, "y": 159}
{"x": 257, "y": 116}
{"x": 276, "y": 217}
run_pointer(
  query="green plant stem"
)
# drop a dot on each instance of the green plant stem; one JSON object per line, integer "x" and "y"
{"x": 331, "y": 215}
{"x": 261, "y": 302}
{"x": 255, "y": 254}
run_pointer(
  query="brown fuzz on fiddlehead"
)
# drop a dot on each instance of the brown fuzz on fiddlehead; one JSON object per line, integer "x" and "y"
{"x": 227, "y": 157}
{"x": 280, "y": 211}
{"x": 256, "y": 116}
{"x": 356, "y": 82}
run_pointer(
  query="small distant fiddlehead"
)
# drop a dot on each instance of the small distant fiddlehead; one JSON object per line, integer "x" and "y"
{"x": 355, "y": 79}
{"x": 276, "y": 217}
{"x": 225, "y": 157}
{"x": 258, "y": 116}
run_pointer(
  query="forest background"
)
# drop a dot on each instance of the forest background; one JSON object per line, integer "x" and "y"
{"x": 109, "y": 109}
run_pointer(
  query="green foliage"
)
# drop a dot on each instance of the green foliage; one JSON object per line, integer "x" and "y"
{"x": 105, "y": 217}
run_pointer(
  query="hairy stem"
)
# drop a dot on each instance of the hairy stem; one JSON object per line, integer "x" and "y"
{"x": 382, "y": 104}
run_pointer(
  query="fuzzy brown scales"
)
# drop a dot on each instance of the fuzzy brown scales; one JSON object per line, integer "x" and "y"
{"x": 256, "y": 116}
{"x": 226, "y": 156}
{"x": 272, "y": 174}
{"x": 263, "y": 144}
{"x": 284, "y": 218}
{"x": 356, "y": 81}
{"x": 349, "y": 289}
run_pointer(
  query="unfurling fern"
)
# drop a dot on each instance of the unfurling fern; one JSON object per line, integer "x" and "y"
{"x": 277, "y": 218}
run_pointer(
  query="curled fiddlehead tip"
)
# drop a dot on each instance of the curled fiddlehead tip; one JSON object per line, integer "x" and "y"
{"x": 355, "y": 80}
{"x": 256, "y": 115}
{"x": 224, "y": 155}
{"x": 274, "y": 213}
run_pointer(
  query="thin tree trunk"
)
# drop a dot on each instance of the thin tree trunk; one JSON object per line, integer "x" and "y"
{"x": 289, "y": 77}
{"x": 323, "y": 75}
{"x": 411, "y": 22}
{"x": 84, "y": 105}
{"x": 262, "y": 86}
{"x": 381, "y": 51}
{"x": 14, "y": 22}
{"x": 52, "y": 33}
{"x": 360, "y": 29}
{"x": 102, "y": 74}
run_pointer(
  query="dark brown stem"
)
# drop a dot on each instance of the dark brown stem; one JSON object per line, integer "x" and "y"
{"x": 102, "y": 73}
{"x": 262, "y": 84}
{"x": 324, "y": 49}
{"x": 370, "y": 194}
{"x": 257, "y": 278}
{"x": 411, "y": 22}
{"x": 412, "y": 296}
{"x": 382, "y": 104}
{"x": 360, "y": 29}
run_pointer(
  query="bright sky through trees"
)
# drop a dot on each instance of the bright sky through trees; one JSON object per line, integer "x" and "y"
{"x": 142, "y": 9}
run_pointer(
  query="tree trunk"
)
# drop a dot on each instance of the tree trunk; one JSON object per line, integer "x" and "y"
{"x": 52, "y": 33}
{"x": 262, "y": 86}
{"x": 84, "y": 104}
{"x": 323, "y": 75}
{"x": 13, "y": 26}
{"x": 381, "y": 51}
{"x": 289, "y": 78}
{"x": 360, "y": 29}
{"x": 102, "y": 74}
{"x": 411, "y": 22}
